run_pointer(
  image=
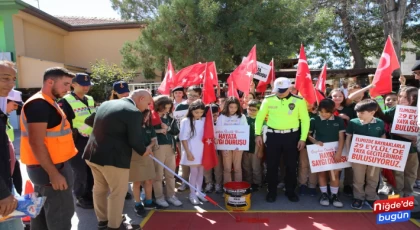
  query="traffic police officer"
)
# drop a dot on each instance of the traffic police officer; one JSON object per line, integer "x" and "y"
{"x": 78, "y": 106}
{"x": 286, "y": 113}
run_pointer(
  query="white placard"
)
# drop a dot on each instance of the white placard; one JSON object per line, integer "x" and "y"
{"x": 232, "y": 137}
{"x": 179, "y": 115}
{"x": 405, "y": 121}
{"x": 379, "y": 152}
{"x": 321, "y": 158}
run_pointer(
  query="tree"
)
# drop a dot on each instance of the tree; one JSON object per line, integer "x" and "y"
{"x": 223, "y": 31}
{"x": 104, "y": 75}
{"x": 138, "y": 10}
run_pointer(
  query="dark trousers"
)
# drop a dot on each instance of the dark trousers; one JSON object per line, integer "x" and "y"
{"x": 59, "y": 207}
{"x": 83, "y": 179}
{"x": 278, "y": 144}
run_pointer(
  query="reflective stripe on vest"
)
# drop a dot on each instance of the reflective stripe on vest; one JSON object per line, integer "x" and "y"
{"x": 81, "y": 112}
{"x": 10, "y": 131}
{"x": 294, "y": 102}
{"x": 58, "y": 140}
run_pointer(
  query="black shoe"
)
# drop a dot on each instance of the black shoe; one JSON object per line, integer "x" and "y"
{"x": 357, "y": 204}
{"x": 329, "y": 190}
{"x": 82, "y": 203}
{"x": 271, "y": 197}
{"x": 140, "y": 210}
{"x": 293, "y": 197}
{"x": 128, "y": 196}
{"x": 152, "y": 206}
{"x": 348, "y": 190}
{"x": 370, "y": 203}
{"x": 102, "y": 225}
{"x": 255, "y": 187}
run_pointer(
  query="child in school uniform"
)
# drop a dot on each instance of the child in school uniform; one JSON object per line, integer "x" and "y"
{"x": 232, "y": 115}
{"x": 405, "y": 180}
{"x": 307, "y": 180}
{"x": 328, "y": 128}
{"x": 365, "y": 177}
{"x": 191, "y": 137}
{"x": 251, "y": 159}
{"x": 218, "y": 169}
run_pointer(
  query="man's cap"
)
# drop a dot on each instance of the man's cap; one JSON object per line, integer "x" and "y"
{"x": 178, "y": 88}
{"x": 120, "y": 87}
{"x": 416, "y": 66}
{"x": 82, "y": 79}
{"x": 15, "y": 96}
{"x": 281, "y": 85}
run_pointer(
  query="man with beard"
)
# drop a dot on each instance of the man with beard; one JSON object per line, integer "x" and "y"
{"x": 78, "y": 106}
{"x": 46, "y": 148}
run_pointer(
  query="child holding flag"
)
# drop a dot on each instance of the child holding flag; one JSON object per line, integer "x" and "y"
{"x": 191, "y": 136}
{"x": 328, "y": 128}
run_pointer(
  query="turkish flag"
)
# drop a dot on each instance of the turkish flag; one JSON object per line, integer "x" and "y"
{"x": 155, "y": 115}
{"x": 262, "y": 86}
{"x": 211, "y": 69}
{"x": 319, "y": 96}
{"x": 232, "y": 91}
{"x": 383, "y": 75}
{"x": 209, "y": 95}
{"x": 169, "y": 81}
{"x": 191, "y": 75}
{"x": 243, "y": 74}
{"x": 209, "y": 160}
{"x": 320, "y": 84}
{"x": 303, "y": 79}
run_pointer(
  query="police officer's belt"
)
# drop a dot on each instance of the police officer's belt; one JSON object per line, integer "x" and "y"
{"x": 270, "y": 130}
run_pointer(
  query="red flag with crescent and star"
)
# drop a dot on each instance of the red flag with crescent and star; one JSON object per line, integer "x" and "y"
{"x": 303, "y": 79}
{"x": 209, "y": 159}
{"x": 320, "y": 84}
{"x": 169, "y": 81}
{"x": 383, "y": 75}
{"x": 244, "y": 73}
{"x": 262, "y": 86}
{"x": 191, "y": 75}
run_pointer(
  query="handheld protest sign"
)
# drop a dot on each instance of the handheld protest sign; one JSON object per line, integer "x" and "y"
{"x": 405, "y": 121}
{"x": 379, "y": 152}
{"x": 232, "y": 137}
{"x": 321, "y": 158}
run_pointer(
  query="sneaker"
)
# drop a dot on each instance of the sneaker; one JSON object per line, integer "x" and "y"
{"x": 209, "y": 188}
{"x": 357, "y": 204}
{"x": 183, "y": 187}
{"x": 102, "y": 225}
{"x": 127, "y": 226}
{"x": 336, "y": 202}
{"x": 324, "y": 200}
{"x": 140, "y": 210}
{"x": 384, "y": 190}
{"x": 281, "y": 185}
{"x": 194, "y": 200}
{"x": 162, "y": 202}
{"x": 417, "y": 184}
{"x": 174, "y": 201}
{"x": 312, "y": 191}
{"x": 218, "y": 188}
{"x": 348, "y": 190}
{"x": 369, "y": 203}
{"x": 255, "y": 187}
{"x": 152, "y": 206}
{"x": 302, "y": 190}
{"x": 83, "y": 203}
{"x": 128, "y": 196}
{"x": 202, "y": 198}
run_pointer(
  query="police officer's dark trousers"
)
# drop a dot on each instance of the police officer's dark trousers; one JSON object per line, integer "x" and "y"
{"x": 83, "y": 179}
{"x": 286, "y": 144}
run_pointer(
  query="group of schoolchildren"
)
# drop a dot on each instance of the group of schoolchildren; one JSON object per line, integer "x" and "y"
{"x": 334, "y": 119}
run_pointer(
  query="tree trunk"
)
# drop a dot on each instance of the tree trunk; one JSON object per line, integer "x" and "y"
{"x": 359, "y": 58}
{"x": 393, "y": 17}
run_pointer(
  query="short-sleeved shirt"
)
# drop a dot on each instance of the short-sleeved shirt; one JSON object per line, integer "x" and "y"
{"x": 376, "y": 128}
{"x": 168, "y": 138}
{"x": 389, "y": 114}
{"x": 349, "y": 111}
{"x": 327, "y": 130}
{"x": 40, "y": 111}
{"x": 251, "y": 123}
{"x": 148, "y": 133}
{"x": 311, "y": 115}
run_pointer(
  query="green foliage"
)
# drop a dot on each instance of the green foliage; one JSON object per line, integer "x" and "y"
{"x": 103, "y": 75}
{"x": 191, "y": 31}
{"x": 139, "y": 10}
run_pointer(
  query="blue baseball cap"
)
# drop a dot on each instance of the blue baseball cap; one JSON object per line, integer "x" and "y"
{"x": 120, "y": 87}
{"x": 82, "y": 79}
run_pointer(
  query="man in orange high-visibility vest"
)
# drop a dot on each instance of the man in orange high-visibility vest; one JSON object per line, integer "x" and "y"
{"x": 46, "y": 148}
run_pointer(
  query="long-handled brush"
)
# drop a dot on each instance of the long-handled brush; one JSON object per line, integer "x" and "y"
{"x": 237, "y": 219}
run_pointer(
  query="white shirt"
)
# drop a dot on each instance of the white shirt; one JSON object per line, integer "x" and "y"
{"x": 232, "y": 120}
